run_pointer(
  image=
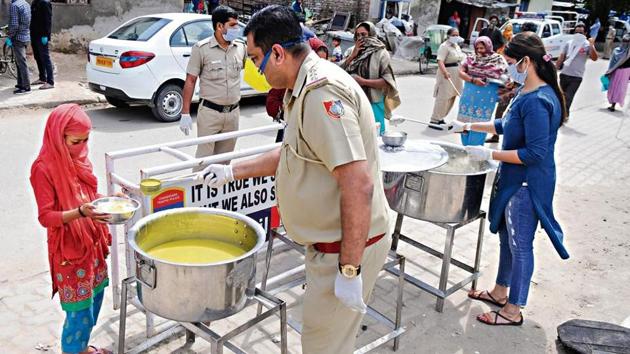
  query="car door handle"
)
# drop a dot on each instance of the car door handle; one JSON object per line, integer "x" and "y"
{"x": 186, "y": 55}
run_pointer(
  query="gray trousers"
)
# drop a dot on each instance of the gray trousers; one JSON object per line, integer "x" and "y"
{"x": 569, "y": 85}
{"x": 23, "y": 80}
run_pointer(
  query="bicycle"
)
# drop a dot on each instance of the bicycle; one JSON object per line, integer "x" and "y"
{"x": 7, "y": 60}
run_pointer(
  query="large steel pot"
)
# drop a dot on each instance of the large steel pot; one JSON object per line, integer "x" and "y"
{"x": 450, "y": 193}
{"x": 195, "y": 292}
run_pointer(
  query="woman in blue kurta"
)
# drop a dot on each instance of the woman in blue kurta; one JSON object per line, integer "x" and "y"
{"x": 523, "y": 190}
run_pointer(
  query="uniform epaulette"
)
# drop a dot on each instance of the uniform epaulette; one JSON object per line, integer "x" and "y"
{"x": 203, "y": 41}
{"x": 315, "y": 80}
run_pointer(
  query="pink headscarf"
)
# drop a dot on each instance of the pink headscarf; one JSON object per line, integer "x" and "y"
{"x": 490, "y": 65}
{"x": 71, "y": 173}
{"x": 487, "y": 42}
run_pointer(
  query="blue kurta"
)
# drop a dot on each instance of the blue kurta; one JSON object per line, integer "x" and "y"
{"x": 477, "y": 104}
{"x": 530, "y": 127}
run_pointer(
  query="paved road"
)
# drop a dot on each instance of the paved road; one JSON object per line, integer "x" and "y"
{"x": 591, "y": 202}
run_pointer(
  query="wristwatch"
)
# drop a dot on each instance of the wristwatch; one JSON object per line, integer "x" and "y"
{"x": 349, "y": 271}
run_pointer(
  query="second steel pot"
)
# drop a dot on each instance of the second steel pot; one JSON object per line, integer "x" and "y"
{"x": 450, "y": 193}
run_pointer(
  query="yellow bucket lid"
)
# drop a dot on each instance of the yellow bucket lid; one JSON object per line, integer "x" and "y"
{"x": 150, "y": 185}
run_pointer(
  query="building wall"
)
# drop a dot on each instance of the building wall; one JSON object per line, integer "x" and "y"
{"x": 75, "y": 25}
{"x": 425, "y": 13}
{"x": 360, "y": 9}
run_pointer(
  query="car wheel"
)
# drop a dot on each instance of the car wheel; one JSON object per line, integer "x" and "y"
{"x": 116, "y": 102}
{"x": 168, "y": 103}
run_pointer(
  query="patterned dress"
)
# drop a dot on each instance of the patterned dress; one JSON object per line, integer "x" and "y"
{"x": 77, "y": 282}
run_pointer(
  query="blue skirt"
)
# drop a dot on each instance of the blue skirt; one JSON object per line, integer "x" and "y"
{"x": 477, "y": 105}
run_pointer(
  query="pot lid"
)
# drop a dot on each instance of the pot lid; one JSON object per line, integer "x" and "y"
{"x": 414, "y": 156}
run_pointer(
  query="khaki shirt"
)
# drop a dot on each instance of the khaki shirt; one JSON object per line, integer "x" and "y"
{"x": 329, "y": 123}
{"x": 218, "y": 69}
{"x": 449, "y": 53}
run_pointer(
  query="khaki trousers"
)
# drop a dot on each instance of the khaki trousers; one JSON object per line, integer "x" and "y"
{"x": 211, "y": 122}
{"x": 328, "y": 325}
{"x": 444, "y": 93}
{"x": 441, "y": 108}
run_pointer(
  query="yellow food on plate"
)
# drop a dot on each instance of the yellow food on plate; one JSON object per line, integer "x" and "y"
{"x": 116, "y": 207}
{"x": 196, "y": 251}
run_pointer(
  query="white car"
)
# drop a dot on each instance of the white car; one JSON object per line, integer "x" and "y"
{"x": 144, "y": 62}
{"x": 549, "y": 30}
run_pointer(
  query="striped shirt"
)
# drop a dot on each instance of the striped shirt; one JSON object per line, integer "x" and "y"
{"x": 19, "y": 21}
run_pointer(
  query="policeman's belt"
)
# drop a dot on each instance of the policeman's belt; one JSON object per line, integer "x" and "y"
{"x": 335, "y": 247}
{"x": 220, "y": 108}
{"x": 450, "y": 65}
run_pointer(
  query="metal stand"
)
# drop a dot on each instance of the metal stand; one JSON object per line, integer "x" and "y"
{"x": 217, "y": 342}
{"x": 442, "y": 292}
{"x": 394, "y": 260}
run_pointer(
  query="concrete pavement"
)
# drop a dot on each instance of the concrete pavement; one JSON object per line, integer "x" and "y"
{"x": 591, "y": 203}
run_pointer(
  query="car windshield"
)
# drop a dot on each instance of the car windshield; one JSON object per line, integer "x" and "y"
{"x": 518, "y": 27}
{"x": 140, "y": 29}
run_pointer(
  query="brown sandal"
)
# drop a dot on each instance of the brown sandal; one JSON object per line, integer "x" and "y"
{"x": 491, "y": 300}
{"x": 496, "y": 317}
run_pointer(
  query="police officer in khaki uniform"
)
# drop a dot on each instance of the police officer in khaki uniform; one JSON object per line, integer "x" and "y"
{"x": 217, "y": 61}
{"x": 449, "y": 56}
{"x": 330, "y": 192}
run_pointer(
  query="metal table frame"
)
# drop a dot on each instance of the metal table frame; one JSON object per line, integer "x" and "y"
{"x": 394, "y": 260}
{"x": 217, "y": 342}
{"x": 442, "y": 292}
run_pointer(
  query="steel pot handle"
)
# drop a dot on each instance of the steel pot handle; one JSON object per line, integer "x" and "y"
{"x": 146, "y": 273}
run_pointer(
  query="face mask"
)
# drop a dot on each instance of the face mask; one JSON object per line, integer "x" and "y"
{"x": 518, "y": 77}
{"x": 456, "y": 40}
{"x": 78, "y": 150}
{"x": 285, "y": 45}
{"x": 232, "y": 34}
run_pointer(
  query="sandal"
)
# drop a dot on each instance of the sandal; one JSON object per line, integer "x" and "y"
{"x": 496, "y": 317}
{"x": 491, "y": 300}
{"x": 100, "y": 350}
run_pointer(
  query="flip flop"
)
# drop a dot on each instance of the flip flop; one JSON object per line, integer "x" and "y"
{"x": 495, "y": 323}
{"x": 491, "y": 301}
{"x": 100, "y": 350}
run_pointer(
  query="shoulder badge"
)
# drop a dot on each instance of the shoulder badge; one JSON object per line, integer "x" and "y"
{"x": 203, "y": 41}
{"x": 334, "y": 108}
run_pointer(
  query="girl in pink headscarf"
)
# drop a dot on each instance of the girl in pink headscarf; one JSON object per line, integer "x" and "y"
{"x": 78, "y": 240}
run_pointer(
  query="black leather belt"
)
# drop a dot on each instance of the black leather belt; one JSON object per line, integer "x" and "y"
{"x": 218, "y": 107}
{"x": 450, "y": 65}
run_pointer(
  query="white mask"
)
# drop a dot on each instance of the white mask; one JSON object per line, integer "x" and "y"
{"x": 455, "y": 39}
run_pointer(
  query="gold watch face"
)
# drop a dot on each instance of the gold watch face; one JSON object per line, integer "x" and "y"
{"x": 349, "y": 271}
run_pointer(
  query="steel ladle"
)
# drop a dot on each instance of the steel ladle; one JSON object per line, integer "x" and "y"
{"x": 399, "y": 119}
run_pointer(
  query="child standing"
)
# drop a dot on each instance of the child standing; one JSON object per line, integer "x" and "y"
{"x": 337, "y": 53}
{"x": 78, "y": 241}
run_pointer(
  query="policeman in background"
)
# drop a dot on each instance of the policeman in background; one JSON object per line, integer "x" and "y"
{"x": 217, "y": 61}
{"x": 328, "y": 180}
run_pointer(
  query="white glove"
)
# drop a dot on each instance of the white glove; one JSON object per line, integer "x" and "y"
{"x": 185, "y": 123}
{"x": 350, "y": 292}
{"x": 459, "y": 127}
{"x": 216, "y": 175}
{"x": 479, "y": 153}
